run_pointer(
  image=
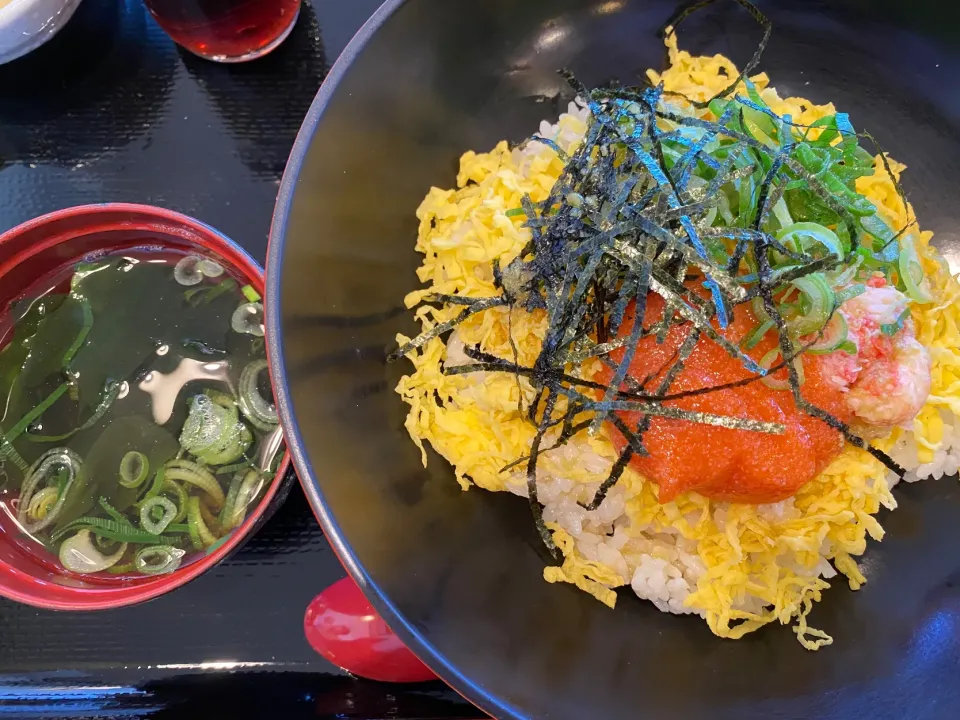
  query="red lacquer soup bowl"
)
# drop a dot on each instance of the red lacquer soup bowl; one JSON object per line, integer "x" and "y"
{"x": 37, "y": 250}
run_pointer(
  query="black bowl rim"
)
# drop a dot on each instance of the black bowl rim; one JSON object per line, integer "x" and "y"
{"x": 410, "y": 636}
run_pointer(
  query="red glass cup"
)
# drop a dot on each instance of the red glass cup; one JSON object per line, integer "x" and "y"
{"x": 226, "y": 30}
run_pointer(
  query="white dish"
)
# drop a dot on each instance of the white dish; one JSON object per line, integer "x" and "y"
{"x": 26, "y": 24}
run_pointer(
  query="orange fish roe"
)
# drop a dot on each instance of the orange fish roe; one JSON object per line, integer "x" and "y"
{"x": 724, "y": 463}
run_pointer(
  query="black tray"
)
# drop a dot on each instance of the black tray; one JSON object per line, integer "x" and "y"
{"x": 111, "y": 110}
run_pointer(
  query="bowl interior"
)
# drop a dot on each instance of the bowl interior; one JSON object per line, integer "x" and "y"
{"x": 459, "y": 575}
{"x": 37, "y": 250}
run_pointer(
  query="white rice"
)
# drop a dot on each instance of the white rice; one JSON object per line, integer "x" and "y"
{"x": 565, "y": 138}
{"x": 660, "y": 565}
{"x": 946, "y": 459}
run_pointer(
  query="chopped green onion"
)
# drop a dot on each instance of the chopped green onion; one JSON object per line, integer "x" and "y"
{"x": 79, "y": 555}
{"x": 911, "y": 272}
{"x": 747, "y": 193}
{"x": 879, "y": 229}
{"x": 759, "y": 311}
{"x": 41, "y": 503}
{"x": 195, "y": 538}
{"x": 849, "y": 292}
{"x": 812, "y": 161}
{"x": 158, "y": 559}
{"x": 852, "y": 201}
{"x": 756, "y": 335}
{"x": 198, "y": 476}
{"x": 113, "y": 512}
{"x": 249, "y": 489}
{"x": 782, "y": 213}
{"x": 886, "y": 257}
{"x": 213, "y": 432}
{"x": 710, "y": 217}
{"x": 891, "y": 329}
{"x": 753, "y": 128}
{"x": 717, "y": 107}
{"x": 111, "y": 393}
{"x": 121, "y": 569}
{"x": 200, "y": 535}
{"x": 817, "y": 301}
{"x": 829, "y": 132}
{"x": 800, "y": 231}
{"x": 108, "y": 528}
{"x": 756, "y": 97}
{"x": 227, "y": 513}
{"x": 257, "y": 410}
{"x": 31, "y": 416}
{"x": 834, "y": 336}
{"x": 52, "y": 464}
{"x": 208, "y": 293}
{"x": 210, "y": 268}
{"x": 217, "y": 545}
{"x": 769, "y": 360}
{"x": 157, "y": 483}
{"x": 172, "y": 488}
{"x": 515, "y": 212}
{"x": 104, "y": 545}
{"x": 187, "y": 271}
{"x": 250, "y": 294}
{"x": 236, "y": 467}
{"x": 210, "y": 520}
{"x": 9, "y": 452}
{"x": 843, "y": 234}
{"x": 134, "y": 469}
{"x": 723, "y": 207}
{"x": 157, "y": 526}
{"x": 248, "y": 319}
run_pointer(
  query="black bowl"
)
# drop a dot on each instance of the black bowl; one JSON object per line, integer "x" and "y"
{"x": 459, "y": 575}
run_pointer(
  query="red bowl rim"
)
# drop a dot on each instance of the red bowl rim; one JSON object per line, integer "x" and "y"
{"x": 151, "y": 218}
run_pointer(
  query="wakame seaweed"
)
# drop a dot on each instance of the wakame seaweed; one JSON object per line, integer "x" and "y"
{"x": 625, "y": 218}
{"x": 125, "y": 402}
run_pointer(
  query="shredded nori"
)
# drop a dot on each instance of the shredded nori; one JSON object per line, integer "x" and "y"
{"x": 626, "y": 219}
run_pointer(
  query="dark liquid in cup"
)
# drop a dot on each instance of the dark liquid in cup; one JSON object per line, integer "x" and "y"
{"x": 225, "y": 29}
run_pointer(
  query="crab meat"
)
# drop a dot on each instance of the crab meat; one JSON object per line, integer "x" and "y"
{"x": 887, "y": 380}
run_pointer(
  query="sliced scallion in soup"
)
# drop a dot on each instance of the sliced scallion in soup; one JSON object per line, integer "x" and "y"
{"x": 135, "y": 427}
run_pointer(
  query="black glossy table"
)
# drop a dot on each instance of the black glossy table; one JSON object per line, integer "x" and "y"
{"x": 111, "y": 110}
